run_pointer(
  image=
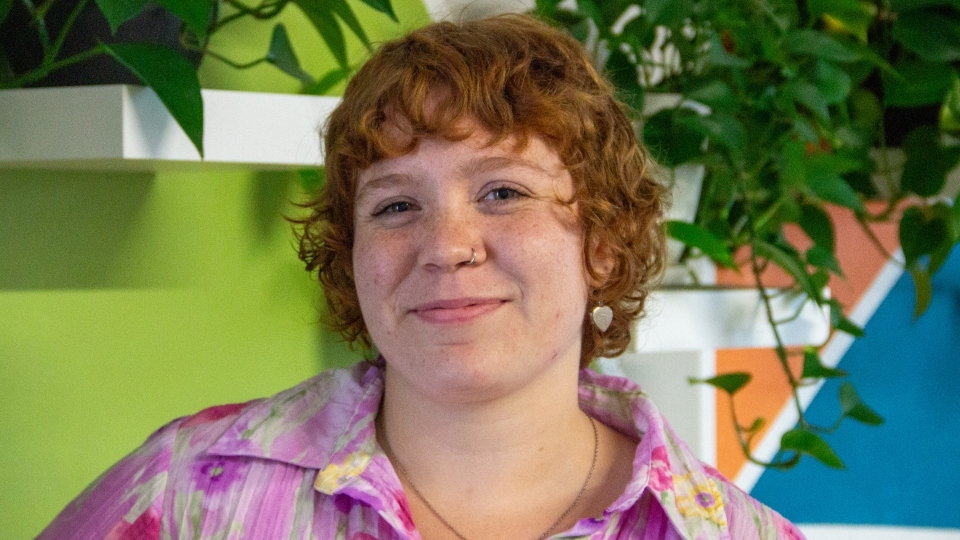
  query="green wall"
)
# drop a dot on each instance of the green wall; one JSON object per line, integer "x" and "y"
{"x": 128, "y": 299}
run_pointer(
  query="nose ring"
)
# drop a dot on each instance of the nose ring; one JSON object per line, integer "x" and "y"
{"x": 473, "y": 258}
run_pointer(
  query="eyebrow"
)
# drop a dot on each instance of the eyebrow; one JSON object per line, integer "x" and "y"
{"x": 382, "y": 182}
{"x": 491, "y": 163}
{"x": 479, "y": 165}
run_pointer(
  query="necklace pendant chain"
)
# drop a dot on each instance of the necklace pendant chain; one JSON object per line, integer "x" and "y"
{"x": 402, "y": 473}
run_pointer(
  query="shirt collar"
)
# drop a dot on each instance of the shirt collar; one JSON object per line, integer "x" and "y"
{"x": 321, "y": 421}
{"x": 327, "y": 423}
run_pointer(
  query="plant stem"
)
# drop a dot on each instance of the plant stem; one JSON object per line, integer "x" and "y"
{"x": 265, "y": 10}
{"x": 874, "y": 240}
{"x": 43, "y": 71}
{"x": 780, "y": 348}
{"x": 233, "y": 64}
{"x": 51, "y": 54}
{"x": 41, "y": 23}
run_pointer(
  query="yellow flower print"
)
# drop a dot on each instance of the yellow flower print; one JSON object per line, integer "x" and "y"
{"x": 335, "y": 475}
{"x": 699, "y": 499}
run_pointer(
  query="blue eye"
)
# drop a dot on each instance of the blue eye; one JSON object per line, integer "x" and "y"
{"x": 394, "y": 208}
{"x": 502, "y": 194}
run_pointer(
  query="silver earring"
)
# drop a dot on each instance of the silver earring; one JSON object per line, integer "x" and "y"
{"x": 473, "y": 258}
{"x": 602, "y": 317}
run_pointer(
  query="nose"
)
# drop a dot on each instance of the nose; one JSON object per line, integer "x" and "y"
{"x": 451, "y": 239}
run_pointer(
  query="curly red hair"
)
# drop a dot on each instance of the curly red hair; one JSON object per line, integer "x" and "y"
{"x": 514, "y": 75}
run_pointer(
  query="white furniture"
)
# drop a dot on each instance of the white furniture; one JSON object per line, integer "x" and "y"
{"x": 122, "y": 127}
{"x": 876, "y": 532}
{"x": 680, "y": 337}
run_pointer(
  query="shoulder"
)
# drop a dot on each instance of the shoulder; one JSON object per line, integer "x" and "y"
{"x": 748, "y": 518}
{"x": 128, "y": 500}
{"x": 123, "y": 502}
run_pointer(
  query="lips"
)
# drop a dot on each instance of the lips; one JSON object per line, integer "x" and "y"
{"x": 456, "y": 311}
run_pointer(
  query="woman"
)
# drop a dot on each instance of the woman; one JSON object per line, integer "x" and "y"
{"x": 490, "y": 225}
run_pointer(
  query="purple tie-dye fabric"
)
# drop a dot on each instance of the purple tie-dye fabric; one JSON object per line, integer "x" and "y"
{"x": 304, "y": 464}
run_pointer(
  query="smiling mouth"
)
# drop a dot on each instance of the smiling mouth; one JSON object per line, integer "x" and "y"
{"x": 456, "y": 311}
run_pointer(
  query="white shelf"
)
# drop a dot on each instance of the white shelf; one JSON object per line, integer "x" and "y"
{"x": 689, "y": 320}
{"x": 121, "y": 127}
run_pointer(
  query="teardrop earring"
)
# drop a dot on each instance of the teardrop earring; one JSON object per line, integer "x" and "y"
{"x": 602, "y": 316}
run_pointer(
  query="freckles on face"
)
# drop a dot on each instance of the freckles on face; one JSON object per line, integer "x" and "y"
{"x": 421, "y": 218}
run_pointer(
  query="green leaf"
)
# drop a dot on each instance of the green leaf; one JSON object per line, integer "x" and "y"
{"x": 281, "y": 55}
{"x": 817, "y": 224}
{"x": 591, "y": 10}
{"x": 854, "y": 16}
{"x": 840, "y": 322}
{"x": 383, "y": 6}
{"x": 833, "y": 188}
{"x": 792, "y": 169}
{"x": 791, "y": 264}
{"x": 933, "y": 33}
{"x": 806, "y": 442}
{"x": 718, "y": 56}
{"x": 808, "y": 95}
{"x": 714, "y": 94}
{"x": 622, "y": 72}
{"x": 813, "y": 367}
{"x": 722, "y": 128}
{"x": 925, "y": 170}
{"x": 918, "y": 235}
{"x": 918, "y": 83}
{"x": 672, "y": 141}
{"x": 172, "y": 77}
{"x": 950, "y": 112}
{"x": 343, "y": 10}
{"x": 667, "y": 12}
{"x": 731, "y": 383}
{"x": 321, "y": 86}
{"x": 854, "y": 407}
{"x": 323, "y": 19}
{"x": 955, "y": 216}
{"x": 5, "y": 6}
{"x": 697, "y": 237}
{"x": 118, "y": 12}
{"x": 923, "y": 290}
{"x": 756, "y": 425}
{"x": 194, "y": 13}
{"x": 822, "y": 258}
{"x": 832, "y": 82}
{"x": 944, "y": 214}
{"x": 820, "y": 45}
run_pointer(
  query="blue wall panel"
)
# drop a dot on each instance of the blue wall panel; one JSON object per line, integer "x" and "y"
{"x": 906, "y": 472}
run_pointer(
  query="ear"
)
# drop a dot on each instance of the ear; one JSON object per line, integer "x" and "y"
{"x": 601, "y": 260}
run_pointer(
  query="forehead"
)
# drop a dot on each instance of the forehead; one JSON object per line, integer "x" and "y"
{"x": 472, "y": 155}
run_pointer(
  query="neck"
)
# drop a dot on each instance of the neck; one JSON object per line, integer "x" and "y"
{"x": 487, "y": 446}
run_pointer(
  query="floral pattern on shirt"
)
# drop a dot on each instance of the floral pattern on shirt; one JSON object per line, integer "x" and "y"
{"x": 304, "y": 465}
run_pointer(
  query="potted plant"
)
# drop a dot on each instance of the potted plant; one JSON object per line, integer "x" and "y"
{"x": 110, "y": 40}
{"x": 796, "y": 108}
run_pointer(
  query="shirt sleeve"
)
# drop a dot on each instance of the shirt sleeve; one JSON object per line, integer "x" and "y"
{"x": 125, "y": 502}
{"x": 748, "y": 519}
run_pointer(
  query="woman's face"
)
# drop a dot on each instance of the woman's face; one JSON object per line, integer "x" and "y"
{"x": 460, "y": 331}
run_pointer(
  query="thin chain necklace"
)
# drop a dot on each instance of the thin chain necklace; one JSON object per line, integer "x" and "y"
{"x": 403, "y": 475}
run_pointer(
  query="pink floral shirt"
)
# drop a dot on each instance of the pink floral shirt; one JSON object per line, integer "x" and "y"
{"x": 304, "y": 464}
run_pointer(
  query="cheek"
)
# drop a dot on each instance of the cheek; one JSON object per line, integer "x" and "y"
{"x": 377, "y": 267}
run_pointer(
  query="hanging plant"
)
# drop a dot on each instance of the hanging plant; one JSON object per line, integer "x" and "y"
{"x": 159, "y": 44}
{"x": 802, "y": 100}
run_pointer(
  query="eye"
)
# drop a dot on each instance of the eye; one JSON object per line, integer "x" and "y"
{"x": 397, "y": 207}
{"x": 502, "y": 194}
